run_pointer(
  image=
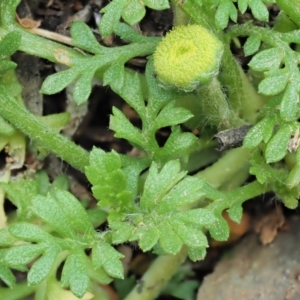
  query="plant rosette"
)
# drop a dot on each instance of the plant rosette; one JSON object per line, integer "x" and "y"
{"x": 188, "y": 56}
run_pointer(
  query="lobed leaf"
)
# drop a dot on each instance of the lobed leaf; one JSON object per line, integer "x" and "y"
{"x": 289, "y": 110}
{"x": 133, "y": 11}
{"x": 104, "y": 255}
{"x": 277, "y": 147}
{"x": 266, "y": 60}
{"x": 252, "y": 45}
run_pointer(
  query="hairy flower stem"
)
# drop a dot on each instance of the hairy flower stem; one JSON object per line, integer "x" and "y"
{"x": 40, "y": 133}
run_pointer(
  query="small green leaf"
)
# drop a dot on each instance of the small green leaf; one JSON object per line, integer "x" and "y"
{"x": 197, "y": 253}
{"x": 172, "y": 115}
{"x": 169, "y": 241}
{"x": 277, "y": 147}
{"x": 56, "y": 121}
{"x": 177, "y": 145}
{"x": 55, "y": 83}
{"x": 74, "y": 273}
{"x": 127, "y": 33}
{"x": 293, "y": 179}
{"x": 6, "y": 238}
{"x": 191, "y": 235}
{"x": 115, "y": 76}
{"x": 6, "y": 128}
{"x": 10, "y": 44}
{"x": 259, "y": 10}
{"x": 225, "y": 10}
{"x": 148, "y": 237}
{"x": 112, "y": 14}
{"x": 23, "y": 254}
{"x": 42, "y": 267}
{"x": 158, "y": 184}
{"x": 157, "y": 4}
{"x": 252, "y": 44}
{"x": 29, "y": 232}
{"x": 263, "y": 129}
{"x": 133, "y": 12}
{"x": 189, "y": 190}
{"x": 273, "y": 85}
{"x": 76, "y": 214}
{"x": 266, "y": 60}
{"x": 48, "y": 210}
{"x": 124, "y": 129}
{"x": 7, "y": 65}
{"x": 197, "y": 216}
{"x": 289, "y": 110}
{"x": 219, "y": 230}
{"x": 104, "y": 255}
{"x": 61, "y": 182}
{"x": 7, "y": 276}
{"x": 83, "y": 87}
{"x": 242, "y": 5}
{"x": 83, "y": 37}
{"x": 121, "y": 231}
{"x": 235, "y": 213}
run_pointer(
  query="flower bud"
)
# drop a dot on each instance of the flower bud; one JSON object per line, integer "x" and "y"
{"x": 188, "y": 56}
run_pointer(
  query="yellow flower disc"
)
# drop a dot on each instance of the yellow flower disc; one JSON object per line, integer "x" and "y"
{"x": 187, "y": 56}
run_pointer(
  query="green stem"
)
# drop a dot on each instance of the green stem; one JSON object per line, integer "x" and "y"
{"x": 291, "y": 8}
{"x": 40, "y": 133}
{"x": 157, "y": 276}
{"x": 19, "y": 291}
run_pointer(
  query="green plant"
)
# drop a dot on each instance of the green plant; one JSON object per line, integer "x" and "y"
{"x": 150, "y": 200}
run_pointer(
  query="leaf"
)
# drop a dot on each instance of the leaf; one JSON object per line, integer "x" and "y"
{"x": 242, "y": 5}
{"x": 6, "y": 65}
{"x": 104, "y": 255}
{"x": 29, "y": 232}
{"x": 197, "y": 253}
{"x": 83, "y": 37}
{"x": 7, "y": 276}
{"x": 262, "y": 130}
{"x": 133, "y": 12}
{"x": 266, "y": 60}
{"x": 112, "y": 14}
{"x": 148, "y": 237}
{"x": 23, "y": 254}
{"x": 49, "y": 211}
{"x": 293, "y": 179}
{"x": 177, "y": 145}
{"x": 169, "y": 240}
{"x": 55, "y": 83}
{"x": 157, "y": 4}
{"x": 83, "y": 87}
{"x": 289, "y": 110}
{"x": 198, "y": 216}
{"x": 158, "y": 184}
{"x": 235, "y": 213}
{"x": 187, "y": 191}
{"x": 277, "y": 147}
{"x": 172, "y": 115}
{"x": 273, "y": 85}
{"x": 115, "y": 76}
{"x": 42, "y": 267}
{"x": 121, "y": 232}
{"x": 56, "y": 121}
{"x": 252, "y": 45}
{"x": 76, "y": 214}
{"x": 127, "y": 33}
{"x": 191, "y": 235}
{"x": 219, "y": 230}
{"x": 10, "y": 44}
{"x": 225, "y": 10}
{"x": 74, "y": 273}
{"x": 259, "y": 10}
{"x": 124, "y": 129}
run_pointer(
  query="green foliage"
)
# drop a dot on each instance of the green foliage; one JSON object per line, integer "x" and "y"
{"x": 155, "y": 200}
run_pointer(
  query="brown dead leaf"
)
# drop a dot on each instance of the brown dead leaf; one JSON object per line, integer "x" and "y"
{"x": 28, "y": 23}
{"x": 268, "y": 225}
{"x": 237, "y": 230}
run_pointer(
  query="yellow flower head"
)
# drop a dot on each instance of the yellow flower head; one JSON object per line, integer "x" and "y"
{"x": 187, "y": 56}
